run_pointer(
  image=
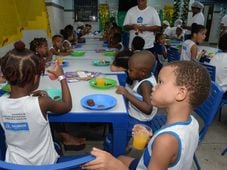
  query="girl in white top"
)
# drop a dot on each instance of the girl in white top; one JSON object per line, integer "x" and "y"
{"x": 220, "y": 62}
{"x": 23, "y": 113}
{"x": 189, "y": 50}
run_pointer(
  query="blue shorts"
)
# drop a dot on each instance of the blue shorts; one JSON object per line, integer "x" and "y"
{"x": 133, "y": 164}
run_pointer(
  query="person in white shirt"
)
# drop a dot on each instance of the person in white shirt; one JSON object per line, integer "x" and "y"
{"x": 220, "y": 62}
{"x": 166, "y": 27}
{"x": 142, "y": 20}
{"x": 197, "y": 16}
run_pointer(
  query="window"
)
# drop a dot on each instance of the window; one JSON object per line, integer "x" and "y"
{"x": 86, "y": 10}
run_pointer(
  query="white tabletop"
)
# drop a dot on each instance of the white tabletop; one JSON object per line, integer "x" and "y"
{"x": 81, "y": 89}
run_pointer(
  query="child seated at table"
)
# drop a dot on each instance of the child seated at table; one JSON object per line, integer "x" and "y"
{"x": 120, "y": 62}
{"x": 57, "y": 48}
{"x": 159, "y": 45}
{"x": 137, "y": 92}
{"x": 176, "y": 33}
{"x": 137, "y": 44}
{"x": 24, "y": 112}
{"x": 115, "y": 42}
{"x": 220, "y": 62}
{"x": 189, "y": 50}
{"x": 179, "y": 90}
{"x": 40, "y": 47}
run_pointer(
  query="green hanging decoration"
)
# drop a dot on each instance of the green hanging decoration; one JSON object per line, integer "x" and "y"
{"x": 185, "y": 11}
{"x": 176, "y": 14}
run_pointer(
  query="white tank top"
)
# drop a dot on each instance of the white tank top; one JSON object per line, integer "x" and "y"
{"x": 28, "y": 136}
{"x": 187, "y": 135}
{"x": 133, "y": 110}
{"x": 186, "y": 50}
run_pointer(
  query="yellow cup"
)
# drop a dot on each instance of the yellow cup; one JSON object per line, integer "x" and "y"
{"x": 100, "y": 81}
{"x": 60, "y": 60}
{"x": 141, "y": 137}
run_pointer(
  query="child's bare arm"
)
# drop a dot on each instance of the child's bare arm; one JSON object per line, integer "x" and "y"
{"x": 144, "y": 105}
{"x": 47, "y": 104}
{"x": 164, "y": 152}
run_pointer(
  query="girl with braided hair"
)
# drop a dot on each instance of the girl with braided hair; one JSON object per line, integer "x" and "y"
{"x": 23, "y": 113}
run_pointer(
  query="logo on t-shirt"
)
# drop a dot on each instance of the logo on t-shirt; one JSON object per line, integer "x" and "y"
{"x": 23, "y": 126}
{"x": 140, "y": 20}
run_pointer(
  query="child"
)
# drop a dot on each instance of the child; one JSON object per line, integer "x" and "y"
{"x": 40, "y": 47}
{"x": 120, "y": 62}
{"x": 189, "y": 49}
{"x": 115, "y": 42}
{"x": 159, "y": 45}
{"x": 176, "y": 33}
{"x": 23, "y": 116}
{"x": 137, "y": 44}
{"x": 57, "y": 46}
{"x": 179, "y": 90}
{"x": 138, "y": 92}
{"x": 220, "y": 62}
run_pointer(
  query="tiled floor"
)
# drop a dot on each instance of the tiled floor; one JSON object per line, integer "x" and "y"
{"x": 208, "y": 152}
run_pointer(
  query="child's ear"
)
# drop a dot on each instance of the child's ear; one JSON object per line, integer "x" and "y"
{"x": 182, "y": 93}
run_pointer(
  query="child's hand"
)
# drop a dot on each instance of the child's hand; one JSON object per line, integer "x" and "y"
{"x": 58, "y": 71}
{"x": 121, "y": 90}
{"x": 141, "y": 128}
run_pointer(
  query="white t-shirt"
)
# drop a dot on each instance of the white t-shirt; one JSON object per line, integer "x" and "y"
{"x": 220, "y": 62}
{"x": 198, "y": 19}
{"x": 172, "y": 34}
{"x": 28, "y": 136}
{"x": 187, "y": 135}
{"x": 133, "y": 110}
{"x": 186, "y": 50}
{"x": 147, "y": 17}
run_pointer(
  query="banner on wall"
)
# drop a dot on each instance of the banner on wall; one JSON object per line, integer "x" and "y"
{"x": 16, "y": 16}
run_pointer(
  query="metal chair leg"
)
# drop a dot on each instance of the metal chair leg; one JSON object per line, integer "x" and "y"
{"x": 196, "y": 162}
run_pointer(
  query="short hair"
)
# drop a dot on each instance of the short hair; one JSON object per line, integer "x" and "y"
{"x": 37, "y": 42}
{"x": 20, "y": 65}
{"x": 56, "y": 36}
{"x": 138, "y": 43}
{"x": 158, "y": 35}
{"x": 122, "y": 57}
{"x": 195, "y": 78}
{"x": 196, "y": 28}
{"x": 116, "y": 38}
{"x": 222, "y": 43}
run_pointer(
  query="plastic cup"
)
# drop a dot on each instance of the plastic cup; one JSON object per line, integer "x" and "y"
{"x": 141, "y": 136}
{"x": 60, "y": 60}
{"x": 100, "y": 81}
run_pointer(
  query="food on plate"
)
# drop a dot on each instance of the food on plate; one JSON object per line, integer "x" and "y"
{"x": 90, "y": 102}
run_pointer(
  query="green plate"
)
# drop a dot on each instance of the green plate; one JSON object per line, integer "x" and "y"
{"x": 54, "y": 94}
{"x": 101, "y": 63}
{"x": 109, "y": 53}
{"x": 78, "y": 53}
{"x": 6, "y": 88}
{"x": 109, "y": 83}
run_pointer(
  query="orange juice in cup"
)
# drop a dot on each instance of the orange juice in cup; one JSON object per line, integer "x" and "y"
{"x": 100, "y": 81}
{"x": 141, "y": 137}
{"x": 60, "y": 60}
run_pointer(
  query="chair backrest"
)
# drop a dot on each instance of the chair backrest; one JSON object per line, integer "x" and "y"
{"x": 211, "y": 70}
{"x": 173, "y": 54}
{"x": 208, "y": 110}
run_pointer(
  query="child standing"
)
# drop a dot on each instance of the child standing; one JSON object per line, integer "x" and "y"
{"x": 23, "y": 116}
{"x": 138, "y": 92}
{"x": 189, "y": 49}
{"x": 179, "y": 90}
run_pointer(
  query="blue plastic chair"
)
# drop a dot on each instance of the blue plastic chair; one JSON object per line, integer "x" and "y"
{"x": 66, "y": 162}
{"x": 207, "y": 112}
{"x": 211, "y": 70}
{"x": 173, "y": 54}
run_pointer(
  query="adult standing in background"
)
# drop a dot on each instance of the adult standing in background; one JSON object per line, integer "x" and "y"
{"x": 197, "y": 17}
{"x": 142, "y": 20}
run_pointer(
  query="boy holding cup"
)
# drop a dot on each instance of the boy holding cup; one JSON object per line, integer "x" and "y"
{"x": 182, "y": 86}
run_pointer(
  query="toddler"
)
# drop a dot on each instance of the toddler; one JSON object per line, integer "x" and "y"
{"x": 57, "y": 48}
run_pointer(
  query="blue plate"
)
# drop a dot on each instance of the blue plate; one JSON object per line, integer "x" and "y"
{"x": 100, "y": 101}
